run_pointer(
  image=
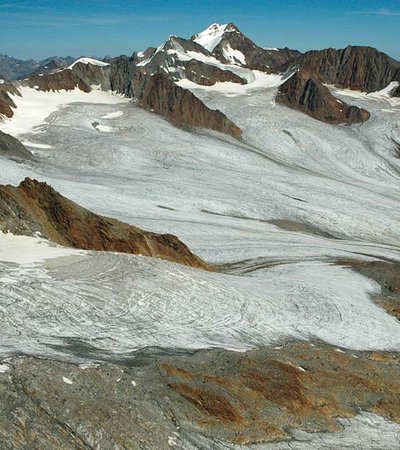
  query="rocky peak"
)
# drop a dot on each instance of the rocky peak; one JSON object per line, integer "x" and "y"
{"x": 230, "y": 46}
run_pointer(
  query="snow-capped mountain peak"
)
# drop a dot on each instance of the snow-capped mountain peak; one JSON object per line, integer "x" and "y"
{"x": 213, "y": 35}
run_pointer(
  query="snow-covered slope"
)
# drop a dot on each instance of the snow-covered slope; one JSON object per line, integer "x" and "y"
{"x": 212, "y": 36}
{"x": 93, "y": 62}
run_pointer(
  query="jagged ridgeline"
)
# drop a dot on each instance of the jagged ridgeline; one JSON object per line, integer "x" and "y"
{"x": 163, "y": 79}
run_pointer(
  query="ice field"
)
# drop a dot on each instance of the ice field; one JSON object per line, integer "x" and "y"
{"x": 277, "y": 212}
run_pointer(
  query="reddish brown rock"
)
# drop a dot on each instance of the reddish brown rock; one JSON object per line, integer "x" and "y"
{"x": 359, "y": 68}
{"x": 6, "y": 102}
{"x": 37, "y": 207}
{"x": 57, "y": 81}
{"x": 160, "y": 95}
{"x": 260, "y": 395}
{"x": 315, "y": 99}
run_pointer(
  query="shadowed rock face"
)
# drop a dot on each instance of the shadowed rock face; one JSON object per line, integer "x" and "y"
{"x": 81, "y": 76}
{"x": 159, "y": 94}
{"x": 314, "y": 99}
{"x": 207, "y": 75}
{"x": 36, "y": 207}
{"x": 122, "y": 71}
{"x": 219, "y": 396}
{"x": 359, "y": 68}
{"x": 57, "y": 81}
{"x": 12, "y": 147}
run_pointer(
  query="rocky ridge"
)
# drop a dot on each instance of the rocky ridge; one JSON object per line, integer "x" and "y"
{"x": 315, "y": 99}
{"x": 160, "y": 95}
{"x": 35, "y": 207}
{"x": 358, "y": 68}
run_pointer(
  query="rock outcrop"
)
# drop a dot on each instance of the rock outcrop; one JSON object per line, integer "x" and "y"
{"x": 212, "y": 399}
{"x": 6, "y": 102}
{"x": 36, "y": 207}
{"x": 160, "y": 95}
{"x": 63, "y": 80}
{"x": 12, "y": 147}
{"x": 315, "y": 99}
{"x": 359, "y": 68}
{"x": 82, "y": 74}
{"x": 208, "y": 75}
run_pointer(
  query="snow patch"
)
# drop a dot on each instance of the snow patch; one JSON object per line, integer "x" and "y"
{"x": 257, "y": 80}
{"x": 33, "y": 107}
{"x": 67, "y": 380}
{"x": 26, "y": 250}
{"x": 4, "y": 368}
{"x": 93, "y": 62}
{"x": 234, "y": 56}
{"x": 113, "y": 115}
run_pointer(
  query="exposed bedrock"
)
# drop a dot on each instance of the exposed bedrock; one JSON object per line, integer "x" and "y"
{"x": 207, "y": 75}
{"x": 7, "y": 89}
{"x": 159, "y": 94}
{"x": 359, "y": 68}
{"x": 81, "y": 75}
{"x": 387, "y": 275}
{"x": 159, "y": 401}
{"x": 57, "y": 81}
{"x": 315, "y": 99}
{"x": 12, "y": 147}
{"x": 36, "y": 207}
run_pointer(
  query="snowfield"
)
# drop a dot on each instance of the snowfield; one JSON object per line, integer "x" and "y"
{"x": 276, "y": 212}
{"x": 279, "y": 213}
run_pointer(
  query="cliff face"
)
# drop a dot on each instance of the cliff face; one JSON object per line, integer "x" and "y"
{"x": 57, "y": 81}
{"x": 11, "y": 147}
{"x": 36, "y": 207}
{"x": 80, "y": 75}
{"x": 314, "y": 99}
{"x": 159, "y": 94}
{"x": 359, "y": 68}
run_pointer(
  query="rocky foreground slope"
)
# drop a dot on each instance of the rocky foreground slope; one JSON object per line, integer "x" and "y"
{"x": 208, "y": 400}
{"x": 35, "y": 207}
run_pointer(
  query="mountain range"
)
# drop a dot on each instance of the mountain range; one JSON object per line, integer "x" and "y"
{"x": 199, "y": 248}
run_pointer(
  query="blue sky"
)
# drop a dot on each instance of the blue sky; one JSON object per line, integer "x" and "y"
{"x": 41, "y": 28}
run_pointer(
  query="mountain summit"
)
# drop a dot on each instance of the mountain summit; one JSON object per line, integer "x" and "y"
{"x": 212, "y": 36}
